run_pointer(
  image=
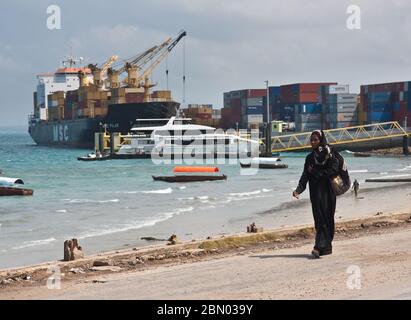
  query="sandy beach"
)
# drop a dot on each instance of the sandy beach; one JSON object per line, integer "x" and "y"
{"x": 274, "y": 264}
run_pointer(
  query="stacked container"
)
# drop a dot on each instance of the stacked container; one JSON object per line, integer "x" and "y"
{"x": 292, "y": 99}
{"x": 243, "y": 108}
{"x": 200, "y": 114}
{"x": 340, "y": 108}
{"x": 385, "y": 102}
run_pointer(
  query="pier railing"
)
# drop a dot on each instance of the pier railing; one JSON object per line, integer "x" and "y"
{"x": 356, "y": 134}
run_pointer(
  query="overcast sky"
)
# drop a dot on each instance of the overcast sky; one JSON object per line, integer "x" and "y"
{"x": 230, "y": 45}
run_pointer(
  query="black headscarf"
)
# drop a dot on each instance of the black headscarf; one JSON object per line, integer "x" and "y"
{"x": 323, "y": 152}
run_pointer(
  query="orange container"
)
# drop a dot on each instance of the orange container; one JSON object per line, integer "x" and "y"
{"x": 196, "y": 169}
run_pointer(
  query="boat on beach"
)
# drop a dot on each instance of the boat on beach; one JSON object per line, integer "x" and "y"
{"x": 192, "y": 174}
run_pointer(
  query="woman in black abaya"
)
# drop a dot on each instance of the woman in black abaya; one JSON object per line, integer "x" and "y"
{"x": 320, "y": 165}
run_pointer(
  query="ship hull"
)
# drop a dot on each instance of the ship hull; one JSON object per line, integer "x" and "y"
{"x": 79, "y": 133}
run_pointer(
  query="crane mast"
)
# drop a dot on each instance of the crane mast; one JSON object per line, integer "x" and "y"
{"x": 144, "y": 79}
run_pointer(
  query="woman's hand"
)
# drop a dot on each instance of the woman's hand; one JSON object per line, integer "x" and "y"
{"x": 296, "y": 195}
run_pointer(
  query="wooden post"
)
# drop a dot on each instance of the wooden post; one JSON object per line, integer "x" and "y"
{"x": 405, "y": 146}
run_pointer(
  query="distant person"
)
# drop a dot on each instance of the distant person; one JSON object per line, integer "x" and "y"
{"x": 356, "y": 187}
{"x": 320, "y": 165}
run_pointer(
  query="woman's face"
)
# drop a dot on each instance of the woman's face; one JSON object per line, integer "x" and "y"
{"x": 315, "y": 141}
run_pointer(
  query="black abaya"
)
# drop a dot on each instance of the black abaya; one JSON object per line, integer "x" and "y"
{"x": 323, "y": 199}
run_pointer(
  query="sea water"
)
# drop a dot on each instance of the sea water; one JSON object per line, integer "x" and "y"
{"x": 109, "y": 205}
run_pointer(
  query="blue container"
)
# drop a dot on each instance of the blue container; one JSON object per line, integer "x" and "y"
{"x": 275, "y": 91}
{"x": 396, "y": 106}
{"x": 295, "y": 88}
{"x": 309, "y": 108}
{"x": 380, "y": 116}
{"x": 254, "y": 110}
{"x": 380, "y": 107}
{"x": 379, "y": 96}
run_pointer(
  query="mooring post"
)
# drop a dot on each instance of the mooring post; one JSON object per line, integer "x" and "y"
{"x": 268, "y": 152}
{"x": 405, "y": 146}
{"x": 405, "y": 139}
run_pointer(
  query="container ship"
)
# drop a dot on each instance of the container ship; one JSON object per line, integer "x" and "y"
{"x": 75, "y": 102}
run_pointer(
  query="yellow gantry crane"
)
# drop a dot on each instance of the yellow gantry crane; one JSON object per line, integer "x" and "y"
{"x": 100, "y": 73}
{"x": 138, "y": 64}
{"x": 355, "y": 134}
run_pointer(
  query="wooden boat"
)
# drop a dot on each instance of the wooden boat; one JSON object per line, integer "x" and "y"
{"x": 10, "y": 191}
{"x": 192, "y": 177}
{"x": 189, "y": 178}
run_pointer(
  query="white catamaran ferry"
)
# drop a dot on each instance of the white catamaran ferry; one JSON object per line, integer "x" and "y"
{"x": 178, "y": 136}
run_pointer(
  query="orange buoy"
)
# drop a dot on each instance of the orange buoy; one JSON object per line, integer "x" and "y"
{"x": 196, "y": 169}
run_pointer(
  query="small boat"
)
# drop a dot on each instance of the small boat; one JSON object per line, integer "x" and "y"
{"x": 11, "y": 191}
{"x": 359, "y": 154}
{"x": 264, "y": 163}
{"x": 362, "y": 154}
{"x": 94, "y": 157}
{"x": 192, "y": 177}
{"x": 4, "y": 181}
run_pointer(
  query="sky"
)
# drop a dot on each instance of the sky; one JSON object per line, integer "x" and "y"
{"x": 230, "y": 45}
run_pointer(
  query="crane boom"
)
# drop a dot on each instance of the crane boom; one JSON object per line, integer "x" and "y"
{"x": 150, "y": 69}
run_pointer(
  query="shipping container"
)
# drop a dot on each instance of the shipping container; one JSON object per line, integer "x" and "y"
{"x": 380, "y": 107}
{"x": 235, "y": 102}
{"x": 256, "y": 93}
{"x": 337, "y": 89}
{"x": 254, "y": 119}
{"x": 307, "y": 127}
{"x": 309, "y": 97}
{"x": 309, "y": 108}
{"x": 252, "y": 110}
{"x": 275, "y": 91}
{"x": 254, "y": 101}
{"x": 380, "y": 116}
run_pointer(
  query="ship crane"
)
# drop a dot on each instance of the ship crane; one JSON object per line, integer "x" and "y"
{"x": 144, "y": 80}
{"x": 129, "y": 66}
{"x": 100, "y": 73}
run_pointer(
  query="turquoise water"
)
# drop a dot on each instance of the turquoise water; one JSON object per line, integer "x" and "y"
{"x": 112, "y": 204}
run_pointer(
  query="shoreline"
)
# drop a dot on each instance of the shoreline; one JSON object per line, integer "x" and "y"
{"x": 140, "y": 260}
{"x": 289, "y": 214}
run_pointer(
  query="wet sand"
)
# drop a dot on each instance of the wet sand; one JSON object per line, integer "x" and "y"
{"x": 270, "y": 265}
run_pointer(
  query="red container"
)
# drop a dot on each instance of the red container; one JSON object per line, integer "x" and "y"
{"x": 134, "y": 97}
{"x": 403, "y": 106}
{"x": 256, "y": 93}
{"x": 308, "y": 97}
{"x": 235, "y": 103}
{"x": 204, "y": 116}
